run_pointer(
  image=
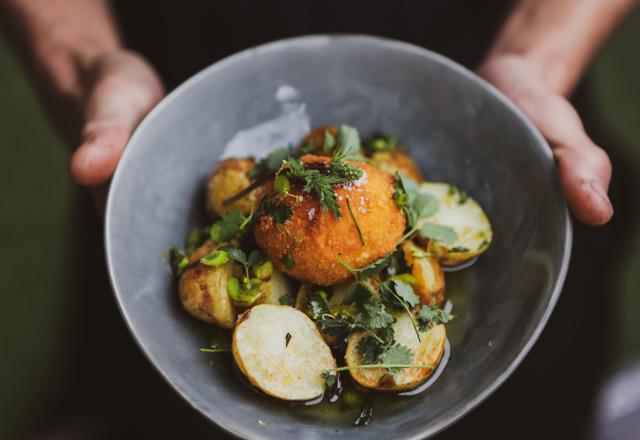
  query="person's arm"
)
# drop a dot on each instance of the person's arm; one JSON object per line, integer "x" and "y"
{"x": 95, "y": 91}
{"x": 536, "y": 60}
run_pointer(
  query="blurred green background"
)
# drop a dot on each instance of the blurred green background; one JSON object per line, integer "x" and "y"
{"x": 35, "y": 212}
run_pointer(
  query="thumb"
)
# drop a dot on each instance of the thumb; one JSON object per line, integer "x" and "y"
{"x": 123, "y": 89}
{"x": 584, "y": 168}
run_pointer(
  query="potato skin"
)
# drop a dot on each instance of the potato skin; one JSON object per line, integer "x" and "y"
{"x": 427, "y": 352}
{"x": 430, "y": 281}
{"x": 316, "y": 138}
{"x": 228, "y": 179}
{"x": 203, "y": 293}
{"x": 276, "y": 287}
{"x": 314, "y": 239}
{"x": 397, "y": 161}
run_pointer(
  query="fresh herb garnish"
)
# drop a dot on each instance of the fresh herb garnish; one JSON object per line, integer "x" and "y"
{"x": 271, "y": 163}
{"x": 369, "y": 270}
{"x": 373, "y": 316}
{"x": 287, "y": 261}
{"x": 232, "y": 225}
{"x": 286, "y": 300}
{"x": 329, "y": 142}
{"x": 416, "y": 205}
{"x": 428, "y": 316}
{"x": 442, "y": 233}
{"x": 397, "y": 355}
{"x": 462, "y": 195}
{"x": 178, "y": 261}
{"x": 355, "y": 222}
{"x": 317, "y": 304}
{"x": 381, "y": 143}
{"x": 401, "y": 295}
{"x": 287, "y": 339}
{"x": 195, "y": 239}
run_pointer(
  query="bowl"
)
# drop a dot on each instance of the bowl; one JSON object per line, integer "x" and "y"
{"x": 460, "y": 130}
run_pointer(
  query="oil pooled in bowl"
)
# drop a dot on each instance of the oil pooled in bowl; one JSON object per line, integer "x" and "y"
{"x": 348, "y": 403}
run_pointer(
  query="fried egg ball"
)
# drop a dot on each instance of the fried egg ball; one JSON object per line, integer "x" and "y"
{"x": 307, "y": 245}
{"x": 228, "y": 179}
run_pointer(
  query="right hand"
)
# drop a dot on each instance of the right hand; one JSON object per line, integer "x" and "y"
{"x": 119, "y": 90}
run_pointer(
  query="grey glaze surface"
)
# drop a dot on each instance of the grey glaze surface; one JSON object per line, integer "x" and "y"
{"x": 458, "y": 127}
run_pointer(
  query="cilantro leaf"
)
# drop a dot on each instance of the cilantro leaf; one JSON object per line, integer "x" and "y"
{"x": 397, "y": 355}
{"x": 374, "y": 316}
{"x": 231, "y": 225}
{"x": 270, "y": 163}
{"x": 428, "y": 316}
{"x": 406, "y": 294}
{"x": 286, "y": 300}
{"x": 347, "y": 143}
{"x": 281, "y": 212}
{"x": 370, "y": 349}
{"x": 375, "y": 267}
{"x": 256, "y": 258}
{"x": 442, "y": 233}
{"x": 426, "y": 205}
{"x": 238, "y": 255}
{"x": 330, "y": 379}
{"x": 356, "y": 293}
{"x": 329, "y": 142}
{"x": 334, "y": 325}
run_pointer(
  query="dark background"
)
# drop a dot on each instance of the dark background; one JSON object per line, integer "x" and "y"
{"x": 35, "y": 211}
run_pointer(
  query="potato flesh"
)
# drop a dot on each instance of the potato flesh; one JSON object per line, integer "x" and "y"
{"x": 203, "y": 293}
{"x": 276, "y": 287}
{"x": 285, "y": 370}
{"x": 427, "y": 352}
{"x": 467, "y": 219}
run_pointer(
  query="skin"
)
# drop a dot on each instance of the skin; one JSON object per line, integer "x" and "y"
{"x": 97, "y": 91}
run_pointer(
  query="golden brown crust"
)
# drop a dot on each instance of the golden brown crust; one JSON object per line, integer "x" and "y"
{"x": 314, "y": 239}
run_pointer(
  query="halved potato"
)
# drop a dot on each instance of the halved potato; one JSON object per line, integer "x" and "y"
{"x": 228, "y": 179}
{"x": 203, "y": 293}
{"x": 276, "y": 287}
{"x": 430, "y": 282}
{"x": 465, "y": 216}
{"x": 427, "y": 352}
{"x": 397, "y": 161}
{"x": 280, "y": 351}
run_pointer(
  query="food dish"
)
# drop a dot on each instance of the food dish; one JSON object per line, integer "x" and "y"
{"x": 459, "y": 130}
{"x": 324, "y": 229}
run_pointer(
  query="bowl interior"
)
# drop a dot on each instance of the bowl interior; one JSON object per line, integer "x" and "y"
{"x": 458, "y": 129}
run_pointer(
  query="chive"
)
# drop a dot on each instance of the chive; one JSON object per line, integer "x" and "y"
{"x": 355, "y": 222}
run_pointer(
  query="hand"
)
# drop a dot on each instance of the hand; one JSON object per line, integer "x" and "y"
{"x": 585, "y": 169}
{"x": 119, "y": 90}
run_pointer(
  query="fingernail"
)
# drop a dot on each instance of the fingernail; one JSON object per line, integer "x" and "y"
{"x": 599, "y": 189}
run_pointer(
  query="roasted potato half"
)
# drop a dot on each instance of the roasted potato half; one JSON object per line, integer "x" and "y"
{"x": 228, "y": 179}
{"x": 397, "y": 161}
{"x": 277, "y": 286}
{"x": 203, "y": 293}
{"x": 280, "y": 351}
{"x": 427, "y": 352}
{"x": 429, "y": 282}
{"x": 465, "y": 216}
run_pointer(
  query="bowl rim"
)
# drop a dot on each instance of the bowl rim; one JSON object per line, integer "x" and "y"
{"x": 325, "y": 39}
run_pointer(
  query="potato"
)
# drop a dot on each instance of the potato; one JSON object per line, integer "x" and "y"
{"x": 397, "y": 160}
{"x": 466, "y": 217}
{"x": 229, "y": 178}
{"x": 312, "y": 239}
{"x": 430, "y": 283}
{"x": 276, "y": 287}
{"x": 203, "y": 293}
{"x": 316, "y": 138}
{"x": 302, "y": 296}
{"x": 280, "y": 351}
{"x": 427, "y": 352}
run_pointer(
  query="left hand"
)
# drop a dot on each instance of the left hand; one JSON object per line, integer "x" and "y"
{"x": 585, "y": 169}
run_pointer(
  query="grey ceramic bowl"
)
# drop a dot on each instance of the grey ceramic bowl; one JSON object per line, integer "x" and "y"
{"x": 459, "y": 128}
